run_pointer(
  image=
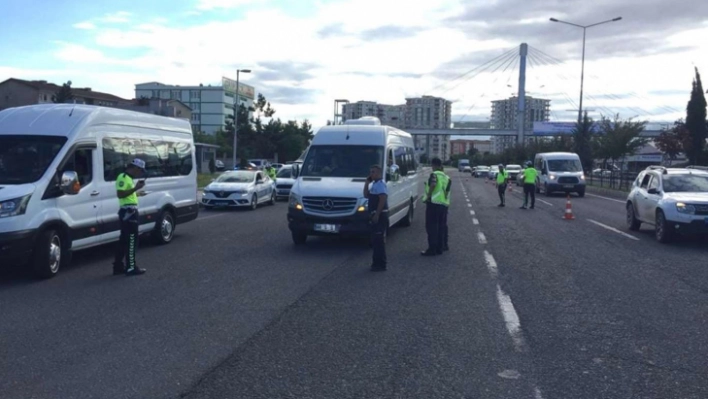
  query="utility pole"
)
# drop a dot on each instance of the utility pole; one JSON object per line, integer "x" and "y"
{"x": 237, "y": 105}
{"x": 521, "y": 108}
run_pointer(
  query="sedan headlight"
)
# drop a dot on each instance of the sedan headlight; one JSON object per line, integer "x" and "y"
{"x": 582, "y": 177}
{"x": 294, "y": 201}
{"x": 14, "y": 207}
{"x": 685, "y": 208}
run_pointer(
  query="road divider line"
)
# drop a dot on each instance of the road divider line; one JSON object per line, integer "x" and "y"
{"x": 468, "y": 200}
{"x": 472, "y": 212}
{"x": 475, "y": 221}
{"x": 537, "y": 393}
{"x": 208, "y": 217}
{"x": 604, "y": 226}
{"x": 470, "y": 205}
{"x": 547, "y": 203}
{"x": 605, "y": 198}
{"x": 491, "y": 264}
{"x": 511, "y": 319}
{"x": 482, "y": 238}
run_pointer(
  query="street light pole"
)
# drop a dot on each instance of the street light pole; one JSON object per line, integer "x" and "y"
{"x": 582, "y": 64}
{"x": 237, "y": 105}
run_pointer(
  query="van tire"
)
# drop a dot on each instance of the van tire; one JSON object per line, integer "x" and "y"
{"x": 299, "y": 238}
{"x": 408, "y": 220}
{"x": 50, "y": 254}
{"x": 165, "y": 226}
{"x": 545, "y": 190}
{"x": 581, "y": 193}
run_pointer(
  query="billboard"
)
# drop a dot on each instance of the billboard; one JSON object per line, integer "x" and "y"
{"x": 558, "y": 128}
{"x": 244, "y": 89}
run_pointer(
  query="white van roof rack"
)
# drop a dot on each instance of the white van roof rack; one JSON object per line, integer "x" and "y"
{"x": 366, "y": 120}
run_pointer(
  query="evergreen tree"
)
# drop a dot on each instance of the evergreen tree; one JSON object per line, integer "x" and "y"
{"x": 582, "y": 141}
{"x": 696, "y": 121}
{"x": 64, "y": 95}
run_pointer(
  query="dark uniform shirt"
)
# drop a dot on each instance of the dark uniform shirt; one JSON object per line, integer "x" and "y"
{"x": 377, "y": 188}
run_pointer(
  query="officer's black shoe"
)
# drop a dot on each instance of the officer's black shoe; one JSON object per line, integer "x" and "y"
{"x": 532, "y": 207}
{"x": 500, "y": 205}
{"x": 446, "y": 248}
{"x": 118, "y": 269}
{"x": 429, "y": 252}
{"x": 378, "y": 269}
{"x": 135, "y": 271}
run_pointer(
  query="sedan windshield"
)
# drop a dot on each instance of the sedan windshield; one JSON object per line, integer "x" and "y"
{"x": 686, "y": 183}
{"x": 239, "y": 176}
{"x": 341, "y": 160}
{"x": 24, "y": 159}
{"x": 285, "y": 173}
{"x": 513, "y": 168}
{"x": 565, "y": 165}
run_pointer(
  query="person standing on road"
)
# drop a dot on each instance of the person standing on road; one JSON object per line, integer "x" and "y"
{"x": 271, "y": 171}
{"x": 128, "y": 193}
{"x": 446, "y": 207}
{"x": 377, "y": 197}
{"x": 434, "y": 198}
{"x": 530, "y": 175}
{"x": 502, "y": 181}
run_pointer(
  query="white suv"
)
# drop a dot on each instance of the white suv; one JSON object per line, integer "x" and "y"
{"x": 674, "y": 201}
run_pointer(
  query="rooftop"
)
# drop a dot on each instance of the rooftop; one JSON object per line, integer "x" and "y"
{"x": 81, "y": 92}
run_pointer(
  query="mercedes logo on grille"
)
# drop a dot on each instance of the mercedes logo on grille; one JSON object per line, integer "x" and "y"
{"x": 328, "y": 204}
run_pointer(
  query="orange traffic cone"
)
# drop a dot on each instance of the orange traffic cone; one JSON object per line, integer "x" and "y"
{"x": 568, "y": 210}
{"x": 510, "y": 188}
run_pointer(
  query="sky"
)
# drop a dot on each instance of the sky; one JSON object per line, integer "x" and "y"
{"x": 305, "y": 54}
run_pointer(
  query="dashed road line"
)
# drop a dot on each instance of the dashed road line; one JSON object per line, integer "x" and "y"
{"x": 491, "y": 264}
{"x": 472, "y": 212}
{"x": 605, "y": 198}
{"x": 475, "y": 221}
{"x": 537, "y": 393}
{"x": 511, "y": 319}
{"x": 613, "y": 229}
{"x": 469, "y": 205}
{"x": 482, "y": 238}
{"x": 208, "y": 217}
{"x": 547, "y": 203}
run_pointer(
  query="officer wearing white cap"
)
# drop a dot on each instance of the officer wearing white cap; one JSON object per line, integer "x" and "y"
{"x": 128, "y": 193}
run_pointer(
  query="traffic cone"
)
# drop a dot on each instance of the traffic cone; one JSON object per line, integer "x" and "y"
{"x": 510, "y": 188}
{"x": 568, "y": 210}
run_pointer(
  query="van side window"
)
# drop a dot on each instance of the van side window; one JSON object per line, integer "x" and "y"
{"x": 401, "y": 160}
{"x": 81, "y": 162}
{"x": 163, "y": 158}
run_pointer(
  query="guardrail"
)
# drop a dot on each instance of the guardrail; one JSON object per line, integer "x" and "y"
{"x": 621, "y": 181}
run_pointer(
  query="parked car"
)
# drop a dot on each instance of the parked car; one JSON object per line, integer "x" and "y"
{"x": 514, "y": 171}
{"x": 674, "y": 201}
{"x": 462, "y": 163}
{"x": 492, "y": 174}
{"x": 240, "y": 188}
{"x": 284, "y": 181}
{"x": 467, "y": 169}
{"x": 277, "y": 166}
{"x": 219, "y": 165}
{"x": 481, "y": 171}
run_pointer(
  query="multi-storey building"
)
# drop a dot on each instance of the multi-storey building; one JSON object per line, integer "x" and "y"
{"x": 463, "y": 147}
{"x": 390, "y": 115}
{"x": 211, "y": 105}
{"x": 18, "y": 93}
{"x": 430, "y": 112}
{"x": 505, "y": 115}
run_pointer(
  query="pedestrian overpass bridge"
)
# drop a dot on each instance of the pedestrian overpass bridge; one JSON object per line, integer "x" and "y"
{"x": 498, "y": 132}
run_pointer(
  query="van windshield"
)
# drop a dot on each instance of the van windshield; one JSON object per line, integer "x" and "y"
{"x": 24, "y": 159}
{"x": 341, "y": 160}
{"x": 565, "y": 165}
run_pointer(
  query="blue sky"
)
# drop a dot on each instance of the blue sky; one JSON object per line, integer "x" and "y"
{"x": 305, "y": 54}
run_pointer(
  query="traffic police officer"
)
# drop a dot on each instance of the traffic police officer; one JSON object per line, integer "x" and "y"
{"x": 435, "y": 199}
{"x": 128, "y": 193}
{"x": 446, "y": 207}
{"x": 502, "y": 180}
{"x": 271, "y": 171}
{"x": 530, "y": 175}
{"x": 377, "y": 197}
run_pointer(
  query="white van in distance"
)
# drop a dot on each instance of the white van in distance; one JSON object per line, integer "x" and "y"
{"x": 327, "y": 197}
{"x": 560, "y": 171}
{"x": 58, "y": 166}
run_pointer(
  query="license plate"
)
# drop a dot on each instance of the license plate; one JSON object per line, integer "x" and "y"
{"x": 221, "y": 203}
{"x": 568, "y": 186}
{"x": 327, "y": 228}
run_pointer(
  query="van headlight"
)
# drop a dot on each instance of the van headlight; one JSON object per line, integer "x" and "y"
{"x": 685, "y": 208}
{"x": 552, "y": 177}
{"x": 363, "y": 206}
{"x": 294, "y": 201}
{"x": 14, "y": 207}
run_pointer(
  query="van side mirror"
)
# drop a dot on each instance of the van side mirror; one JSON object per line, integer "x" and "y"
{"x": 296, "y": 171}
{"x": 70, "y": 183}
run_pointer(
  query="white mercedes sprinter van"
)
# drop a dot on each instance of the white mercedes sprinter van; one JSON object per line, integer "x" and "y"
{"x": 327, "y": 196}
{"x": 560, "y": 171}
{"x": 58, "y": 166}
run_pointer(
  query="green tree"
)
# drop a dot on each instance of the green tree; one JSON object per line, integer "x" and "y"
{"x": 582, "y": 141}
{"x": 619, "y": 138}
{"x": 674, "y": 141}
{"x": 64, "y": 95}
{"x": 696, "y": 121}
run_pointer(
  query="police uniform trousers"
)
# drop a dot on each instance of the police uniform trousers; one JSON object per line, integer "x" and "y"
{"x": 434, "y": 226}
{"x": 128, "y": 243}
{"x": 378, "y": 231}
{"x": 530, "y": 189}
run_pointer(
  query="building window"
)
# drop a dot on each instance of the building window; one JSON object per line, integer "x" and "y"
{"x": 196, "y": 118}
{"x": 165, "y": 94}
{"x": 196, "y": 107}
{"x": 195, "y": 95}
{"x": 176, "y": 95}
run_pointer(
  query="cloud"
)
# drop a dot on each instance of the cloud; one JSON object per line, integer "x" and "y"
{"x": 119, "y": 17}
{"x": 285, "y": 71}
{"x": 223, "y": 4}
{"x": 85, "y": 25}
{"x": 288, "y": 95}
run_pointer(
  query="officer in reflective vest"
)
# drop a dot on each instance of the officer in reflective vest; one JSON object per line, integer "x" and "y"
{"x": 271, "y": 171}
{"x": 502, "y": 180}
{"x": 377, "y": 197}
{"x": 530, "y": 175}
{"x": 128, "y": 193}
{"x": 435, "y": 199}
{"x": 446, "y": 203}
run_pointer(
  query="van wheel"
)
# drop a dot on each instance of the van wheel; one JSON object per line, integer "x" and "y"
{"x": 299, "y": 238}
{"x": 545, "y": 190}
{"x": 49, "y": 255}
{"x": 581, "y": 193}
{"x": 408, "y": 220}
{"x": 164, "y": 228}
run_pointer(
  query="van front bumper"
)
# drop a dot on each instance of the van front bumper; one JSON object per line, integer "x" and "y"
{"x": 566, "y": 187}
{"x": 300, "y": 222}
{"x": 16, "y": 247}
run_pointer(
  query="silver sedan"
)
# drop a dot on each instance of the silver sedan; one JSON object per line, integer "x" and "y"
{"x": 240, "y": 188}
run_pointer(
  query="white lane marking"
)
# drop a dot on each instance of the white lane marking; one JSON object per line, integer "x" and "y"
{"x": 208, "y": 217}
{"x": 469, "y": 205}
{"x": 547, "y": 203}
{"x": 467, "y": 199}
{"x": 513, "y": 325}
{"x": 537, "y": 393}
{"x": 605, "y": 198}
{"x": 475, "y": 221}
{"x": 613, "y": 229}
{"x": 491, "y": 264}
{"x": 472, "y": 212}
{"x": 482, "y": 238}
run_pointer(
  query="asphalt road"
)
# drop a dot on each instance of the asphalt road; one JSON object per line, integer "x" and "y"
{"x": 525, "y": 305}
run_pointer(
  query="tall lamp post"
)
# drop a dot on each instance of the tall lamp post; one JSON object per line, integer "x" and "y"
{"x": 582, "y": 68}
{"x": 237, "y": 104}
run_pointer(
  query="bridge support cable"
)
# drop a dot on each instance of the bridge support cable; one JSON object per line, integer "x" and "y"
{"x": 496, "y": 64}
{"x": 512, "y": 61}
{"x": 503, "y": 56}
{"x": 537, "y": 62}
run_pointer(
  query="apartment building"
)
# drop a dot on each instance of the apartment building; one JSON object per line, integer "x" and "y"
{"x": 391, "y": 115}
{"x": 505, "y": 115}
{"x": 430, "y": 112}
{"x": 18, "y": 92}
{"x": 210, "y": 106}
{"x": 463, "y": 147}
